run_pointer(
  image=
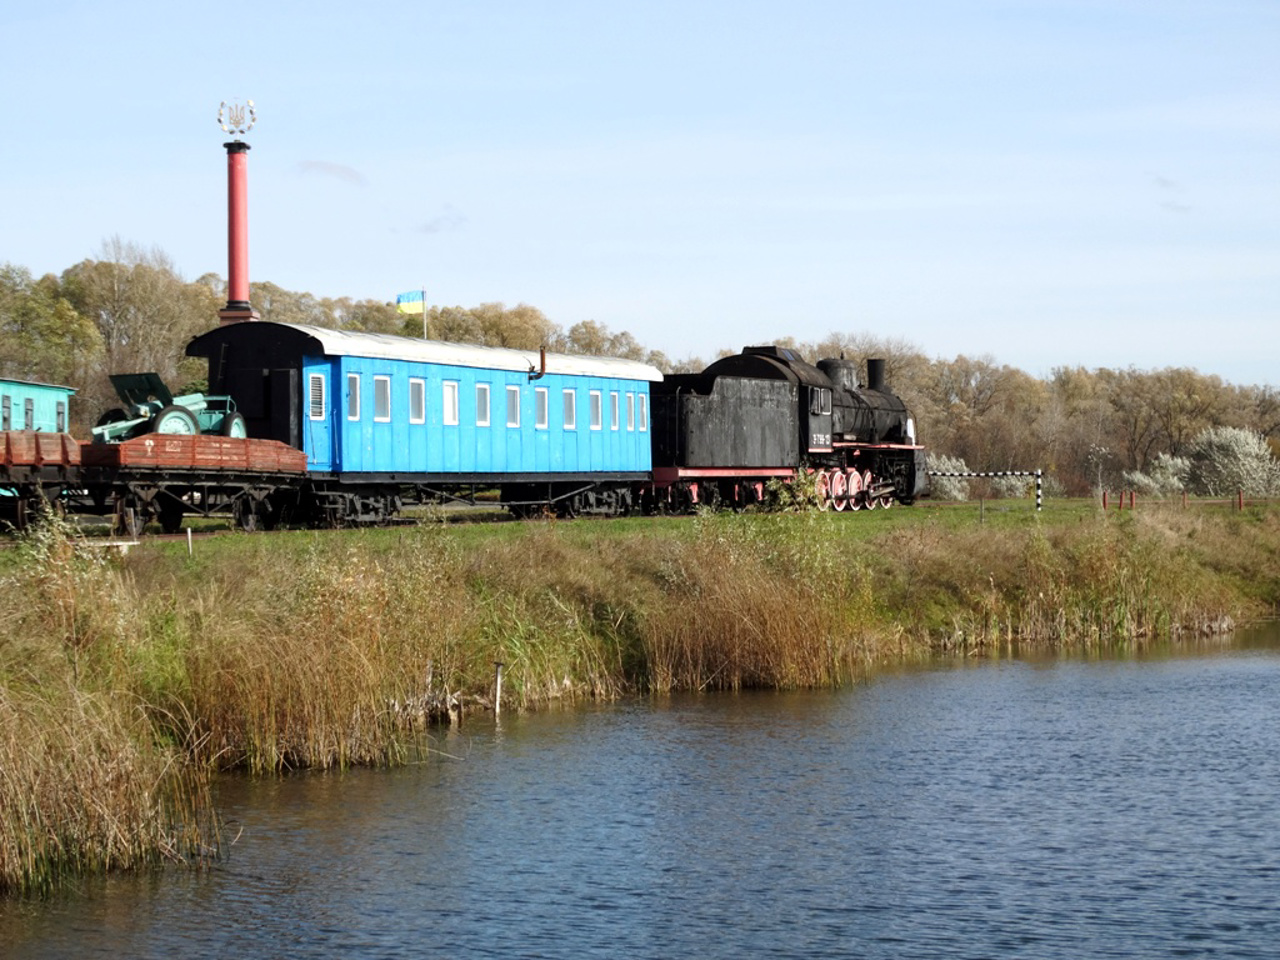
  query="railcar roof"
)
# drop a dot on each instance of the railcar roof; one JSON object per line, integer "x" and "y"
{"x": 37, "y": 383}
{"x": 346, "y": 343}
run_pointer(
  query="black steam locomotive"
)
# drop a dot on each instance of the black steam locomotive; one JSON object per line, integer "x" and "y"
{"x": 721, "y": 435}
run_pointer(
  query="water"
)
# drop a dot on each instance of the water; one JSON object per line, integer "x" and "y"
{"x": 1051, "y": 808}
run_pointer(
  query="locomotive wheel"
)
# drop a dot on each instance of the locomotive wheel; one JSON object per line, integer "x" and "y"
{"x": 839, "y": 490}
{"x": 853, "y": 483}
{"x": 867, "y": 481}
{"x": 822, "y": 490}
{"x": 175, "y": 420}
{"x": 233, "y": 425}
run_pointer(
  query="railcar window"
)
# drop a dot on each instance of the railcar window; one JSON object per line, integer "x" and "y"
{"x": 6, "y": 413}
{"x": 513, "y": 406}
{"x": 482, "y": 404}
{"x": 540, "y": 407}
{"x": 353, "y": 396}
{"x": 62, "y": 416}
{"x": 417, "y": 400}
{"x": 382, "y": 399}
{"x": 613, "y": 409}
{"x": 29, "y": 411}
{"x": 597, "y": 410}
{"x": 315, "y": 391}
{"x": 644, "y": 413}
{"x": 819, "y": 401}
{"x": 631, "y": 411}
{"x": 451, "y": 403}
{"x": 570, "y": 410}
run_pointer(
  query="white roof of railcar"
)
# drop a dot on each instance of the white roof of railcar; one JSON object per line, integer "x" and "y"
{"x": 346, "y": 343}
{"x": 37, "y": 383}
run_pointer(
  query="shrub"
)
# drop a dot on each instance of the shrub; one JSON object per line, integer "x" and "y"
{"x": 1167, "y": 477}
{"x": 947, "y": 488}
{"x": 1223, "y": 460}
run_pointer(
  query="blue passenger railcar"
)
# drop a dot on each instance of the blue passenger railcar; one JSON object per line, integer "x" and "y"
{"x": 380, "y": 409}
{"x": 34, "y": 406}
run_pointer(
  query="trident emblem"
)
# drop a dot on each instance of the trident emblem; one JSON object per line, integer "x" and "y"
{"x": 232, "y": 116}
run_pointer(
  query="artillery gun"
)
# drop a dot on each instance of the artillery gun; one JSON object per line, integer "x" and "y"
{"x": 149, "y": 407}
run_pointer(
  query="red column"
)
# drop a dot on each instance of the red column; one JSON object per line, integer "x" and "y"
{"x": 238, "y": 307}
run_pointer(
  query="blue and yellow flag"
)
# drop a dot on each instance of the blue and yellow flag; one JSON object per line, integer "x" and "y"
{"x": 412, "y": 302}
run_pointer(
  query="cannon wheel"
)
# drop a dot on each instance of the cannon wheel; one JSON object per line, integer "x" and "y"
{"x": 233, "y": 425}
{"x": 176, "y": 420}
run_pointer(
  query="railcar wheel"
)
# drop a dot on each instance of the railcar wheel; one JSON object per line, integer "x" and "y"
{"x": 853, "y": 483}
{"x": 170, "y": 514}
{"x": 130, "y": 519}
{"x": 246, "y": 514}
{"x": 233, "y": 425}
{"x": 867, "y": 481}
{"x": 175, "y": 420}
{"x": 822, "y": 490}
{"x": 839, "y": 491}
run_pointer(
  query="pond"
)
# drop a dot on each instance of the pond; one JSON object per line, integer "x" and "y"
{"x": 1040, "y": 807}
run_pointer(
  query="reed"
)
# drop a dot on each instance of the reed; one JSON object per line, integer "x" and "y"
{"x": 124, "y": 682}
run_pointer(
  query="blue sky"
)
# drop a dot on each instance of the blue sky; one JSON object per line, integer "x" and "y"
{"x": 1050, "y": 183}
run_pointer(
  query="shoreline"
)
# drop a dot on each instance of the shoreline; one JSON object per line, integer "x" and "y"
{"x": 273, "y": 653}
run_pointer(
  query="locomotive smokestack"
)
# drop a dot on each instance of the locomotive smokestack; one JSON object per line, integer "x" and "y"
{"x": 237, "y": 118}
{"x": 875, "y": 374}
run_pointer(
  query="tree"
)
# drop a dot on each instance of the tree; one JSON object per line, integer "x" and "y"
{"x": 42, "y": 336}
{"x": 144, "y": 313}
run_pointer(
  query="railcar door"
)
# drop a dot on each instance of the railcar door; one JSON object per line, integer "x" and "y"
{"x": 319, "y": 403}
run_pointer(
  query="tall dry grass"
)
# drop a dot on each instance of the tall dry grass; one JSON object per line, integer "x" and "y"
{"x": 122, "y": 682}
{"x": 85, "y": 786}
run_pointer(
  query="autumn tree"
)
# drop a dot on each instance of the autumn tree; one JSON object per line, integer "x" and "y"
{"x": 42, "y": 336}
{"x": 143, "y": 312}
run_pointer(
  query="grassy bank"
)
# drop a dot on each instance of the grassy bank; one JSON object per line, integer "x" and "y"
{"x": 124, "y": 682}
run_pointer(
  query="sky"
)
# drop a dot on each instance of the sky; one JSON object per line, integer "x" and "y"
{"x": 1043, "y": 182}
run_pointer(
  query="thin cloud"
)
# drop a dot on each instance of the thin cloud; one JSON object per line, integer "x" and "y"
{"x": 335, "y": 171}
{"x": 446, "y": 220}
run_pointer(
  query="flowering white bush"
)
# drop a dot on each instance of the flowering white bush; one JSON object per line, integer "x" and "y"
{"x": 1013, "y": 487}
{"x": 947, "y": 488}
{"x": 1223, "y": 460}
{"x": 1166, "y": 477}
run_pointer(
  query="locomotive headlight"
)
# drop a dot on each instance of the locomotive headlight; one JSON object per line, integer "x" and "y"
{"x": 911, "y": 429}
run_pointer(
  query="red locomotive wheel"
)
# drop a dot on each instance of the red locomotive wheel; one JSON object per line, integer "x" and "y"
{"x": 867, "y": 481}
{"x": 822, "y": 490}
{"x": 839, "y": 488}
{"x": 853, "y": 483}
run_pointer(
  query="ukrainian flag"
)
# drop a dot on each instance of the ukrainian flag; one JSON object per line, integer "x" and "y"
{"x": 411, "y": 302}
